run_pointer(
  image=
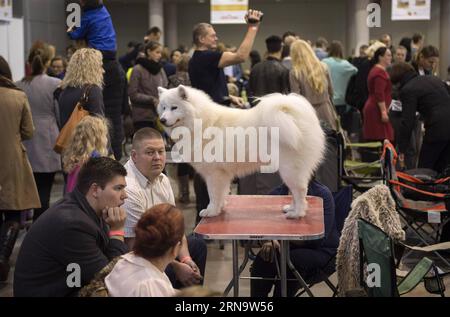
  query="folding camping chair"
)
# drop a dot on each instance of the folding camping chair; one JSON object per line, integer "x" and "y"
{"x": 376, "y": 247}
{"x": 354, "y": 171}
{"x": 425, "y": 218}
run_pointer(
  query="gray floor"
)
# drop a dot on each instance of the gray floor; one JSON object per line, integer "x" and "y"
{"x": 219, "y": 261}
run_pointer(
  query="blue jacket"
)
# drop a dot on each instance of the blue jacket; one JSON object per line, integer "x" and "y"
{"x": 97, "y": 29}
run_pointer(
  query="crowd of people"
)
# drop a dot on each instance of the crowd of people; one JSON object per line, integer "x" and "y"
{"x": 110, "y": 210}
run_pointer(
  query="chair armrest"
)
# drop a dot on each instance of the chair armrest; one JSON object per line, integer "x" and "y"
{"x": 430, "y": 248}
{"x": 415, "y": 276}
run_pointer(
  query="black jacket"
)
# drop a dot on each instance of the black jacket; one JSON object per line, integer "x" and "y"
{"x": 69, "y": 232}
{"x": 70, "y": 96}
{"x": 429, "y": 96}
{"x": 268, "y": 77}
{"x": 357, "y": 91}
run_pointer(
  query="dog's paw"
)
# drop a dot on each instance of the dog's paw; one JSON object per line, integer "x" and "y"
{"x": 288, "y": 208}
{"x": 295, "y": 214}
{"x": 205, "y": 213}
{"x": 292, "y": 215}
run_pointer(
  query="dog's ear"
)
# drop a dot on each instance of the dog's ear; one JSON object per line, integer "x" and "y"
{"x": 161, "y": 90}
{"x": 182, "y": 92}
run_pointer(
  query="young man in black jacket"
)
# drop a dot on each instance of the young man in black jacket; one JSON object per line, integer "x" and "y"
{"x": 76, "y": 237}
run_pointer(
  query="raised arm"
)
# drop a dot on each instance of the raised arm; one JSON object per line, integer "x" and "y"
{"x": 253, "y": 18}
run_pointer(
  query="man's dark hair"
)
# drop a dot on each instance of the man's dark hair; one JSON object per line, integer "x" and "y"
{"x": 288, "y": 33}
{"x": 153, "y": 30}
{"x": 274, "y": 44}
{"x": 322, "y": 42}
{"x": 335, "y": 50}
{"x": 429, "y": 51}
{"x": 132, "y": 44}
{"x": 398, "y": 70}
{"x": 417, "y": 37}
{"x": 99, "y": 170}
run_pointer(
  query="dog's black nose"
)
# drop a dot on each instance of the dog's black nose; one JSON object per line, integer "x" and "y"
{"x": 163, "y": 121}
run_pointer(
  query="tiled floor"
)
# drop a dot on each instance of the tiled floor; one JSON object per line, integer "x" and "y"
{"x": 219, "y": 261}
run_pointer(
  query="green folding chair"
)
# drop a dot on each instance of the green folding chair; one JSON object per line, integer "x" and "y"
{"x": 376, "y": 247}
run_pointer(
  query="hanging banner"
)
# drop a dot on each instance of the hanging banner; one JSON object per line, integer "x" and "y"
{"x": 228, "y": 11}
{"x": 6, "y": 10}
{"x": 411, "y": 10}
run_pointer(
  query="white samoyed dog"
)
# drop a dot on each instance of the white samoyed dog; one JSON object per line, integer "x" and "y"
{"x": 290, "y": 120}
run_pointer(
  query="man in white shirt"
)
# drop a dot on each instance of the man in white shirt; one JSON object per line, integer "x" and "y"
{"x": 148, "y": 186}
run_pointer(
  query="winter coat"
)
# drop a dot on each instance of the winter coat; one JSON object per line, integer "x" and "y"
{"x": 377, "y": 207}
{"x": 269, "y": 77}
{"x": 17, "y": 187}
{"x": 143, "y": 93}
{"x": 44, "y": 109}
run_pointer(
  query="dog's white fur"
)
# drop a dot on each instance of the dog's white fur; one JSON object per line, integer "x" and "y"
{"x": 301, "y": 142}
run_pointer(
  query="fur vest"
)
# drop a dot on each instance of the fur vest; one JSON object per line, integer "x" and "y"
{"x": 377, "y": 207}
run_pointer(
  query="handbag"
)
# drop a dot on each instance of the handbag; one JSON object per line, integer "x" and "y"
{"x": 78, "y": 113}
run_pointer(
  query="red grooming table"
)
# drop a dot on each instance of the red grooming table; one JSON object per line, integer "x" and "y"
{"x": 261, "y": 218}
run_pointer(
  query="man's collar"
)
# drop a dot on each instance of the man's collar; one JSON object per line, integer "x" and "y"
{"x": 142, "y": 180}
{"x": 273, "y": 58}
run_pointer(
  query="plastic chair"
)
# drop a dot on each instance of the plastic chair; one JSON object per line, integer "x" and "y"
{"x": 376, "y": 247}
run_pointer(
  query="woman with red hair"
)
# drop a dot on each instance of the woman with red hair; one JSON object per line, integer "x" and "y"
{"x": 159, "y": 234}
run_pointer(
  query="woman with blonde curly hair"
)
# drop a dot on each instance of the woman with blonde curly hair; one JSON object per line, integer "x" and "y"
{"x": 310, "y": 78}
{"x": 89, "y": 139}
{"x": 84, "y": 75}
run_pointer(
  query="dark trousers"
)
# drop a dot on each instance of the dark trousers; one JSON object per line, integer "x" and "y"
{"x": 143, "y": 124}
{"x": 10, "y": 215}
{"x": 198, "y": 251}
{"x": 310, "y": 263}
{"x": 184, "y": 169}
{"x": 201, "y": 194}
{"x": 44, "y": 183}
{"x": 412, "y": 152}
{"x": 435, "y": 155}
{"x": 350, "y": 118}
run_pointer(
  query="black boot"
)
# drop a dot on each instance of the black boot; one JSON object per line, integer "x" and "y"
{"x": 8, "y": 236}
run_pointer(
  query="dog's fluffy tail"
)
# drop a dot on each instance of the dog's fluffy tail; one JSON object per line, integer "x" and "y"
{"x": 293, "y": 115}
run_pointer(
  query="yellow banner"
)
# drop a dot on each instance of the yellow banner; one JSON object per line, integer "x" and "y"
{"x": 229, "y": 7}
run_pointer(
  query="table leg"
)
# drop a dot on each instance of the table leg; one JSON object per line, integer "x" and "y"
{"x": 284, "y": 252}
{"x": 297, "y": 274}
{"x": 241, "y": 269}
{"x": 235, "y": 269}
